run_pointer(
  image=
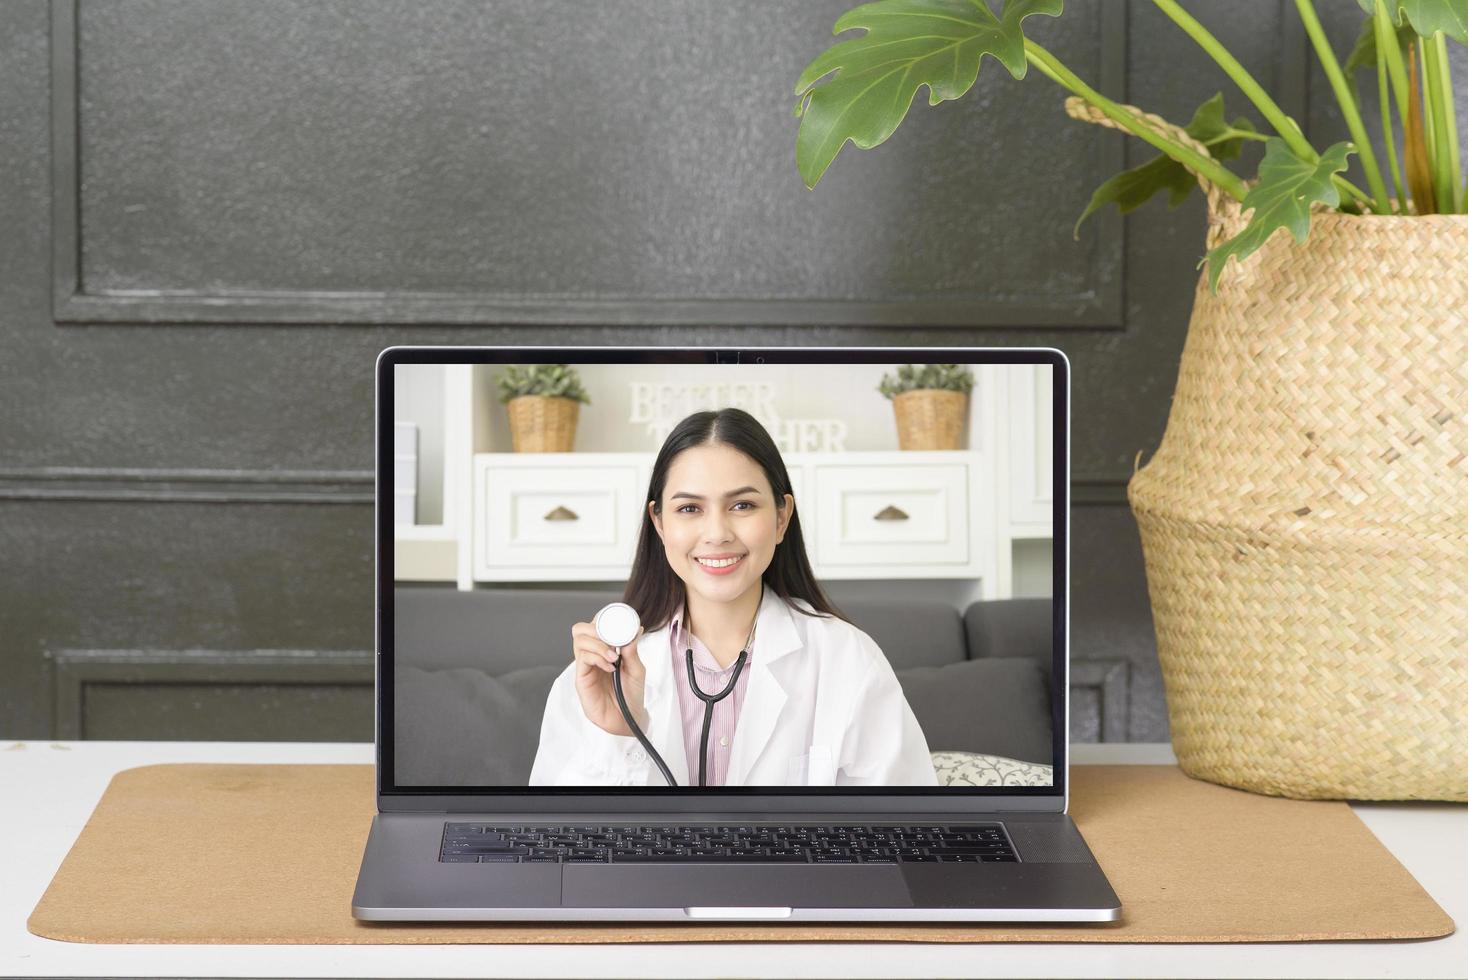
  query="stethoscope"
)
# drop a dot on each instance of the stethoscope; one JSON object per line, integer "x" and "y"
{"x": 616, "y": 625}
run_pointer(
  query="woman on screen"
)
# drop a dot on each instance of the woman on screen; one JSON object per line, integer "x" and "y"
{"x": 745, "y": 654}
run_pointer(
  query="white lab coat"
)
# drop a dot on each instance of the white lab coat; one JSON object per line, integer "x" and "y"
{"x": 823, "y": 708}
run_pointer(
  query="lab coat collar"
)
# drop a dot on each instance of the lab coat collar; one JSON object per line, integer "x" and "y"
{"x": 775, "y": 637}
{"x": 774, "y": 634}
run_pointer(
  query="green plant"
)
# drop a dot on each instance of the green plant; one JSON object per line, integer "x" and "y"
{"x": 913, "y": 377}
{"x": 860, "y": 90}
{"x": 555, "y": 380}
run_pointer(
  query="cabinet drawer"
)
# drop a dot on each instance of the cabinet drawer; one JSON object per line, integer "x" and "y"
{"x": 568, "y": 517}
{"x": 892, "y": 515}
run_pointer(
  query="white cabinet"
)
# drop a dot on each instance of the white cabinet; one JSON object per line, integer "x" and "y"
{"x": 556, "y": 516}
{"x": 893, "y": 516}
{"x": 569, "y": 517}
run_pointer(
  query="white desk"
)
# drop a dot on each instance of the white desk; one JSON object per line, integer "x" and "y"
{"x": 47, "y": 791}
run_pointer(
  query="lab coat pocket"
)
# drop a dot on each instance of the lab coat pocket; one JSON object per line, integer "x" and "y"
{"x": 812, "y": 769}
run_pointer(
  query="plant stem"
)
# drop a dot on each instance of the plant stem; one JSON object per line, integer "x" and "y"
{"x": 1386, "y": 131}
{"x": 1390, "y": 69}
{"x": 1348, "y": 104}
{"x": 1416, "y": 160}
{"x": 1386, "y": 46}
{"x": 1450, "y": 121}
{"x": 1442, "y": 181}
{"x": 1236, "y": 134}
{"x": 1185, "y": 155}
{"x": 1287, "y": 128}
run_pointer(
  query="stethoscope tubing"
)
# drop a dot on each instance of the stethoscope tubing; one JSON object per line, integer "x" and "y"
{"x": 632, "y": 722}
{"x": 709, "y": 700}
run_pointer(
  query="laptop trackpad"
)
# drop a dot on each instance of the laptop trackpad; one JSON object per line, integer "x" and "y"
{"x": 836, "y": 886}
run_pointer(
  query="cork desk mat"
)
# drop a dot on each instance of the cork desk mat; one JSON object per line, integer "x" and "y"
{"x": 251, "y": 854}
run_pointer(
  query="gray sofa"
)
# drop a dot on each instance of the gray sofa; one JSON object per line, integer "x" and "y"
{"x": 474, "y": 669}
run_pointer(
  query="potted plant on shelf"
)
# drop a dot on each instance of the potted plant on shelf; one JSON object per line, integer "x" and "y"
{"x": 931, "y": 404}
{"x": 1305, "y": 519}
{"x": 543, "y": 401}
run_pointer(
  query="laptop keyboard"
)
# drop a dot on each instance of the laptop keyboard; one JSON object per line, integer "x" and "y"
{"x": 477, "y": 843}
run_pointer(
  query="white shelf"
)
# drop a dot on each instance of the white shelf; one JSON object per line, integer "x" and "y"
{"x": 1006, "y": 490}
{"x": 437, "y": 552}
{"x": 425, "y": 532}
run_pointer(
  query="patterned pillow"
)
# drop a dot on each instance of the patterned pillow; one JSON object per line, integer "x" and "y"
{"x": 972, "y": 769}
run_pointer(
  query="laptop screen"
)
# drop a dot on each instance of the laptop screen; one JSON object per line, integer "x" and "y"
{"x": 764, "y": 571}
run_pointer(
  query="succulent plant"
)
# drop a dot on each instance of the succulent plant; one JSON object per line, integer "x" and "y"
{"x": 912, "y": 377}
{"x": 555, "y": 380}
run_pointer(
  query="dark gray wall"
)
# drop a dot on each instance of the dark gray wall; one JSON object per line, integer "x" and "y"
{"x": 217, "y": 213}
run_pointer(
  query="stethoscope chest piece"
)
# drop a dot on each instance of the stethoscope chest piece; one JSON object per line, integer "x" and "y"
{"x": 617, "y": 624}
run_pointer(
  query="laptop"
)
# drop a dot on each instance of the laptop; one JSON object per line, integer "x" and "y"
{"x": 672, "y": 634}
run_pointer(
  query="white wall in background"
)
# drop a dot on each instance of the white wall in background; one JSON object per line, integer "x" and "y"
{"x": 815, "y": 391}
{"x": 419, "y": 393}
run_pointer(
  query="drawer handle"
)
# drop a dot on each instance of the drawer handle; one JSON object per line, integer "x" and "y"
{"x": 890, "y": 513}
{"x": 562, "y": 513}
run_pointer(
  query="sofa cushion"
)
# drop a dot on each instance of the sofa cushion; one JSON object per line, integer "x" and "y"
{"x": 462, "y": 727}
{"x": 507, "y": 629}
{"x": 999, "y": 705}
{"x": 912, "y": 632}
{"x": 497, "y": 630}
{"x": 1011, "y": 628}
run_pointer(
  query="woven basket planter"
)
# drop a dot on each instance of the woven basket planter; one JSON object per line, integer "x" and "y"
{"x": 930, "y": 418}
{"x": 543, "y": 423}
{"x": 1305, "y": 520}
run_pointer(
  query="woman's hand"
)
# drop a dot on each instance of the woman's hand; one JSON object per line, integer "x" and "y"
{"x": 594, "y": 668}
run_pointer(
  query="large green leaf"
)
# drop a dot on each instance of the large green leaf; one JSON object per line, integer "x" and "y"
{"x": 907, "y": 44}
{"x": 1427, "y": 17}
{"x": 1286, "y": 189}
{"x": 1130, "y": 189}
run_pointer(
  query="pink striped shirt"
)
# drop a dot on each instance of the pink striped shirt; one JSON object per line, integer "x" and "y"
{"x": 711, "y": 680}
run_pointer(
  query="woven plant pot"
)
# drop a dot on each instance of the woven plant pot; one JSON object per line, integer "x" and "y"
{"x": 1305, "y": 520}
{"x": 543, "y": 423}
{"x": 930, "y": 418}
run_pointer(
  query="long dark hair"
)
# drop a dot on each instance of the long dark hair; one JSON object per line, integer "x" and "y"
{"x": 654, "y": 590}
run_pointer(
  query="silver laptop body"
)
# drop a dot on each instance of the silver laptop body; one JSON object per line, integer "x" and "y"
{"x": 404, "y": 876}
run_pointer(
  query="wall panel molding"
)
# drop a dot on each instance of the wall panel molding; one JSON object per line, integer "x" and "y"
{"x": 295, "y": 486}
{"x": 1099, "y": 491}
{"x": 188, "y": 486}
{"x": 77, "y": 671}
{"x": 1097, "y": 306}
{"x": 1111, "y": 682}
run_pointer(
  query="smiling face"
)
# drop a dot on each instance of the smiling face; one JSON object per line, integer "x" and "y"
{"x": 719, "y": 523}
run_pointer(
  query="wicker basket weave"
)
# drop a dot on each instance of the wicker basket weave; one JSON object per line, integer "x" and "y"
{"x": 930, "y": 418}
{"x": 543, "y": 423}
{"x": 1305, "y": 520}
